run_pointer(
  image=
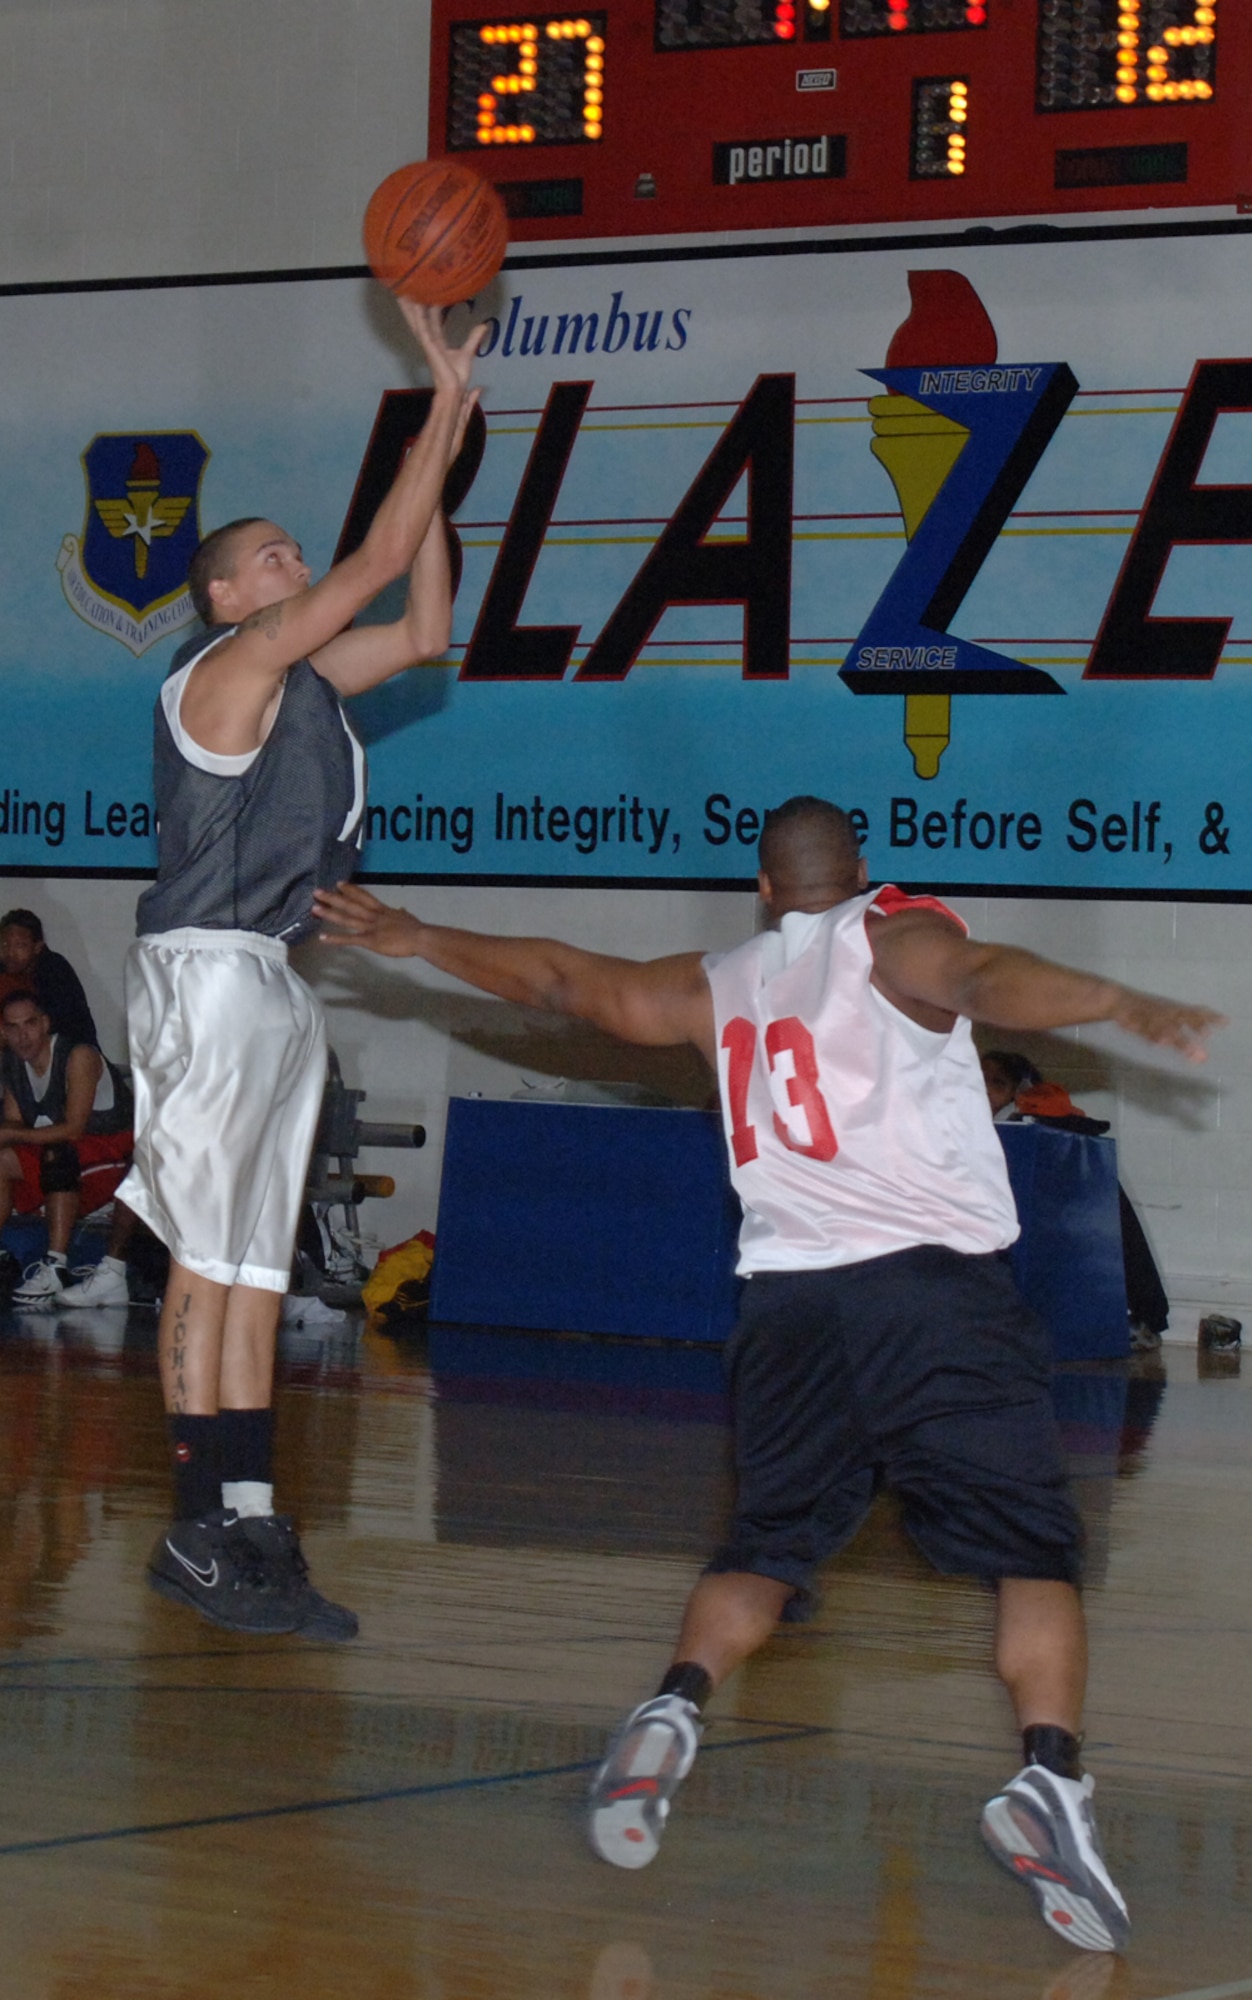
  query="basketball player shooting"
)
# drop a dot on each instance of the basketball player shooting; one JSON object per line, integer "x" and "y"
{"x": 260, "y": 791}
{"x": 881, "y": 1339}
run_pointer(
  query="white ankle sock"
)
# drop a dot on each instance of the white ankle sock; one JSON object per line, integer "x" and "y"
{"x": 247, "y": 1497}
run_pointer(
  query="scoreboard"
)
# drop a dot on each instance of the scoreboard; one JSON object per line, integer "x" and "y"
{"x": 659, "y": 116}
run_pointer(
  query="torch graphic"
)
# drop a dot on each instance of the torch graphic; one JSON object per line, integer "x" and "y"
{"x": 948, "y": 326}
{"x": 958, "y": 436}
{"x": 143, "y": 515}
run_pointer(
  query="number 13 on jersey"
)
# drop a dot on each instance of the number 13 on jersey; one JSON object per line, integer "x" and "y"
{"x": 792, "y": 1061}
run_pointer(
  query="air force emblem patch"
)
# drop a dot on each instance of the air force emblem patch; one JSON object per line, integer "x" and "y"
{"x": 127, "y": 573}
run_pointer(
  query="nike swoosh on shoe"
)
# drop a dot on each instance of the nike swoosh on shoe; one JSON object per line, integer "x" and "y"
{"x": 208, "y": 1577}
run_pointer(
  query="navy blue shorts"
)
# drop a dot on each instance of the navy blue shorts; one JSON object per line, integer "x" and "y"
{"x": 923, "y": 1371}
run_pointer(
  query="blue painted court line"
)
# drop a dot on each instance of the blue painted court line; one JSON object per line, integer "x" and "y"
{"x": 386, "y": 1797}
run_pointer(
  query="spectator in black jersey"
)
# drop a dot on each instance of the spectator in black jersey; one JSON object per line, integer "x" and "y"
{"x": 27, "y": 960}
{"x": 66, "y": 1110}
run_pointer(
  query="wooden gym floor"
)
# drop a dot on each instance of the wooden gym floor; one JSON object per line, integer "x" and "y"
{"x": 189, "y": 1816}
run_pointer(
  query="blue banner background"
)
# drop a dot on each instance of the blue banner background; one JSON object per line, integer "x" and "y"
{"x": 283, "y": 381}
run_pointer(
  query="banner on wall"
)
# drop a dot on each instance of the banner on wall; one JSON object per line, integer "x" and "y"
{"x": 955, "y": 534}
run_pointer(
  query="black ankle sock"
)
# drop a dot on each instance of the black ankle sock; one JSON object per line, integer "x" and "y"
{"x": 247, "y": 1445}
{"x": 197, "y": 1477}
{"x": 1057, "y": 1751}
{"x": 689, "y": 1681}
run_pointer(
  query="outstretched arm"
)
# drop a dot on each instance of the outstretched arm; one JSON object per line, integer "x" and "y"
{"x": 922, "y": 959}
{"x": 661, "y": 1002}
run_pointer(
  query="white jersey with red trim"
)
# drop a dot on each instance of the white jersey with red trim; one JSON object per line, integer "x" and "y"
{"x": 852, "y": 1131}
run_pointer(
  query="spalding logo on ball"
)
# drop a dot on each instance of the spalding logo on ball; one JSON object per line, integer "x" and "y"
{"x": 435, "y": 232}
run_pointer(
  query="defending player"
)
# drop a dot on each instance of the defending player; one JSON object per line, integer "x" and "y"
{"x": 260, "y": 789}
{"x": 881, "y": 1336}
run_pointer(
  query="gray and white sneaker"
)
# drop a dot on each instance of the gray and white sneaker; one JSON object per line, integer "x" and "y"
{"x": 96, "y": 1286}
{"x": 42, "y": 1287}
{"x": 215, "y": 1569}
{"x": 1042, "y": 1829}
{"x": 630, "y": 1795}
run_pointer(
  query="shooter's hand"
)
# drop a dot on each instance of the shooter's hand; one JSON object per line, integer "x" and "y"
{"x": 353, "y": 916}
{"x": 450, "y": 367}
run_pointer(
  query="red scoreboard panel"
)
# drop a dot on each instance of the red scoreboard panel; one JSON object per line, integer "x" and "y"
{"x": 652, "y": 116}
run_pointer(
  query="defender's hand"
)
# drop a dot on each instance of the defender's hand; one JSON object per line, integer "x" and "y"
{"x": 353, "y": 916}
{"x": 1174, "y": 1024}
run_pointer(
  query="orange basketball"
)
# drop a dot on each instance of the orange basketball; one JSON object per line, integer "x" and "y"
{"x": 435, "y": 232}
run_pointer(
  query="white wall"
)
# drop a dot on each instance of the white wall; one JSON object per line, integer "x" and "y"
{"x": 412, "y": 1043}
{"x": 152, "y": 137}
{"x": 412, "y": 1038}
{"x": 1184, "y": 1131}
{"x": 156, "y": 137}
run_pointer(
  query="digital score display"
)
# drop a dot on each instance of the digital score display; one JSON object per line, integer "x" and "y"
{"x": 940, "y": 115}
{"x": 1105, "y": 53}
{"x": 744, "y": 24}
{"x": 676, "y": 116}
{"x": 536, "y": 82}
{"x": 909, "y": 17}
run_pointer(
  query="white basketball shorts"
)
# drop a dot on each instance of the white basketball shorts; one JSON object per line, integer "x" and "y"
{"x": 229, "y": 1055}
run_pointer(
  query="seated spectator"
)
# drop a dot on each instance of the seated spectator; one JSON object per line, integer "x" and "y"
{"x": 28, "y": 963}
{"x": 1018, "y": 1094}
{"x": 66, "y": 1119}
{"x": 1005, "y": 1073}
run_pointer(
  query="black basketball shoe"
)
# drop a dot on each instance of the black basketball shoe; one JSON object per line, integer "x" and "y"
{"x": 209, "y": 1565}
{"x": 276, "y": 1543}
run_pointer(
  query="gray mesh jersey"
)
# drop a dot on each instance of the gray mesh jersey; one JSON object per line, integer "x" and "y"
{"x": 245, "y": 851}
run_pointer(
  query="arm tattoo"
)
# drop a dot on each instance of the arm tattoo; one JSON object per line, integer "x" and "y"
{"x": 265, "y": 621}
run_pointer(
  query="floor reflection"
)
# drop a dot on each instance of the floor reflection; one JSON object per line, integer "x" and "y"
{"x": 186, "y": 1814}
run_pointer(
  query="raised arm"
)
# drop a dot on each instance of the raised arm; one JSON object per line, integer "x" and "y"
{"x": 661, "y": 1002}
{"x": 230, "y": 692}
{"x": 923, "y": 962}
{"x": 361, "y": 658}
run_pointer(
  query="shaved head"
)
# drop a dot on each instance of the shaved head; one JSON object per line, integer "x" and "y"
{"x": 809, "y": 856}
{"x": 215, "y": 560}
